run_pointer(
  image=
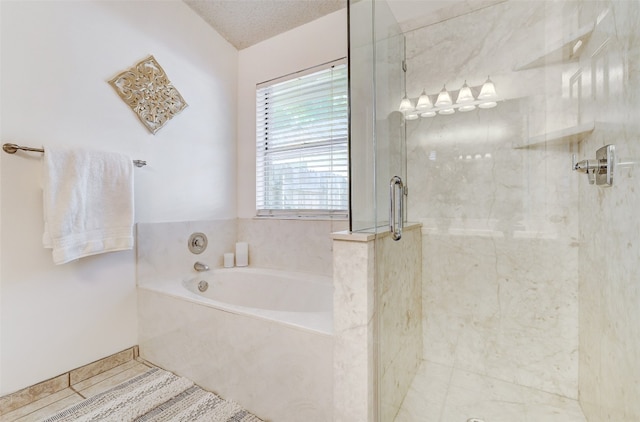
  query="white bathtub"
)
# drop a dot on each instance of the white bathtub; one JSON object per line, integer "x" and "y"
{"x": 299, "y": 299}
{"x": 264, "y": 289}
{"x": 259, "y": 337}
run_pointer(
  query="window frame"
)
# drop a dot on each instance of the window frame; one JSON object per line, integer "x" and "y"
{"x": 326, "y": 147}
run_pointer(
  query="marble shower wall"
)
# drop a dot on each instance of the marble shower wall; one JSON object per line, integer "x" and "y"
{"x": 609, "y": 219}
{"x": 499, "y": 215}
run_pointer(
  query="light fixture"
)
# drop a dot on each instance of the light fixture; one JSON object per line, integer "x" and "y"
{"x": 411, "y": 116}
{"x": 424, "y": 102}
{"x": 465, "y": 96}
{"x": 488, "y": 90}
{"x": 444, "y": 99}
{"x": 406, "y": 105}
{"x": 488, "y": 104}
{"x": 465, "y": 101}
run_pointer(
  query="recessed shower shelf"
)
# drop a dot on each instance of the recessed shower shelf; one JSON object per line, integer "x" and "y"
{"x": 573, "y": 134}
{"x": 566, "y": 50}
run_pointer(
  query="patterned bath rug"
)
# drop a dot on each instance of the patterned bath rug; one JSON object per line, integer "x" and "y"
{"x": 155, "y": 396}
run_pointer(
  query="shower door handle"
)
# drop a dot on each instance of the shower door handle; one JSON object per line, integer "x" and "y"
{"x": 396, "y": 207}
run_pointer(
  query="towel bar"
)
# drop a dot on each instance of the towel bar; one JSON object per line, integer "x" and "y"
{"x": 13, "y": 148}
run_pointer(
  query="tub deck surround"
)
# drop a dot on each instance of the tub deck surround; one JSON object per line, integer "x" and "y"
{"x": 277, "y": 363}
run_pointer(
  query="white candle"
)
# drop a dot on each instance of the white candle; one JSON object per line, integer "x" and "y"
{"x": 228, "y": 260}
{"x": 242, "y": 254}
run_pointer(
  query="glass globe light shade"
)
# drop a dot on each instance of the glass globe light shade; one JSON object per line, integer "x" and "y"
{"x": 406, "y": 105}
{"x": 465, "y": 95}
{"x": 424, "y": 102}
{"x": 444, "y": 99}
{"x": 488, "y": 90}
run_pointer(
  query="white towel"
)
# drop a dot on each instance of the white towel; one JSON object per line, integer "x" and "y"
{"x": 88, "y": 203}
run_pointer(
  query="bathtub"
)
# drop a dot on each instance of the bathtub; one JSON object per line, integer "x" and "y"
{"x": 298, "y": 299}
{"x": 260, "y": 337}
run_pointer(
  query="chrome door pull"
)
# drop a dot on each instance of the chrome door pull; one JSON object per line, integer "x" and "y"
{"x": 396, "y": 207}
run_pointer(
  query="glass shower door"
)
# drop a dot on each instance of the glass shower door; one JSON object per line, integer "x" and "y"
{"x": 379, "y": 188}
{"x": 398, "y": 283}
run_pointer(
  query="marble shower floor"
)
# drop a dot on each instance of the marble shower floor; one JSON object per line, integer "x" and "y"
{"x": 55, "y": 402}
{"x": 441, "y": 393}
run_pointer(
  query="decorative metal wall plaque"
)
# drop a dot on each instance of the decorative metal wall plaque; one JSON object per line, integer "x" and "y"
{"x": 149, "y": 92}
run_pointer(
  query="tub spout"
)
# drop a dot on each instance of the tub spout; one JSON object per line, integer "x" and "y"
{"x": 199, "y": 266}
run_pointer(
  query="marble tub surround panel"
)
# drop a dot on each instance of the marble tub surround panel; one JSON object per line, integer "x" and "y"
{"x": 399, "y": 290}
{"x": 62, "y": 382}
{"x": 295, "y": 245}
{"x": 278, "y": 372}
{"x": 610, "y": 223}
{"x": 363, "y": 368}
{"x": 354, "y": 368}
{"x": 162, "y": 247}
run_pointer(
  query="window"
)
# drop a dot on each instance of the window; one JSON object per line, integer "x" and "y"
{"x": 301, "y": 140}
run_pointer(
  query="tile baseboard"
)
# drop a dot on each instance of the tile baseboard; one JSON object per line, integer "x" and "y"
{"x": 38, "y": 391}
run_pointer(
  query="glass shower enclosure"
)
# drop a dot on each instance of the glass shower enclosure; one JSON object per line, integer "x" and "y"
{"x": 513, "y": 287}
{"x": 378, "y": 194}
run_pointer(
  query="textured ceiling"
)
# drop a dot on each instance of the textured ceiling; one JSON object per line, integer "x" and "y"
{"x": 246, "y": 22}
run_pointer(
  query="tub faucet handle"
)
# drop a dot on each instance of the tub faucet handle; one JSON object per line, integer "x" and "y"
{"x": 199, "y": 266}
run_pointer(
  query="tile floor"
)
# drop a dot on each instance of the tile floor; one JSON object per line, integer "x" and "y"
{"x": 444, "y": 394}
{"x": 89, "y": 387}
{"x": 438, "y": 394}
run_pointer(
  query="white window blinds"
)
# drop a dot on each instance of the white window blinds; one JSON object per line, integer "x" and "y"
{"x": 301, "y": 139}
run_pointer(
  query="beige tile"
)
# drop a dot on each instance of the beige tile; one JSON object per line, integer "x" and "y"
{"x": 110, "y": 382}
{"x": 31, "y": 394}
{"x": 83, "y": 385}
{"x": 50, "y": 410}
{"x": 146, "y": 362}
{"x": 100, "y": 366}
{"x": 45, "y": 403}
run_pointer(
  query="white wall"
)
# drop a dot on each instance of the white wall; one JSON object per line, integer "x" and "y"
{"x": 56, "y": 59}
{"x": 318, "y": 42}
